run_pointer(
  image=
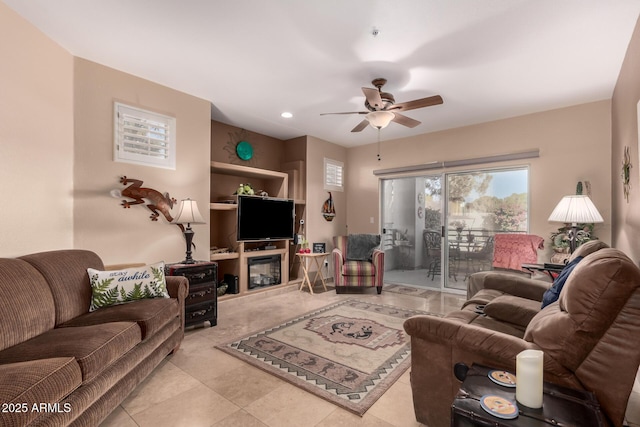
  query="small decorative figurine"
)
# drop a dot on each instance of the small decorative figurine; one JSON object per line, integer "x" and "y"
{"x": 328, "y": 210}
{"x": 159, "y": 203}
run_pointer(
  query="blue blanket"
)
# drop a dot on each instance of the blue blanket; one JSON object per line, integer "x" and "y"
{"x": 552, "y": 294}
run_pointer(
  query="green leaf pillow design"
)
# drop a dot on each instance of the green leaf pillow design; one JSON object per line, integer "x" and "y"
{"x": 131, "y": 284}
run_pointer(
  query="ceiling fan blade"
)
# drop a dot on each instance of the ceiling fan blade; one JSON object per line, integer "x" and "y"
{"x": 417, "y": 103}
{"x": 373, "y": 97}
{"x": 363, "y": 124}
{"x": 404, "y": 120}
{"x": 351, "y": 112}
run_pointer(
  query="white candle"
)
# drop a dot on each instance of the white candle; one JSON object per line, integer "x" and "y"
{"x": 529, "y": 378}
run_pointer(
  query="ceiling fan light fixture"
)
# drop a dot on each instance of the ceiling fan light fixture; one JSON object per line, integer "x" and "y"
{"x": 379, "y": 119}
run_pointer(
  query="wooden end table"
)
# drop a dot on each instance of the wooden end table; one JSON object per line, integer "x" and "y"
{"x": 561, "y": 406}
{"x": 202, "y": 302}
{"x": 548, "y": 268}
{"x": 308, "y": 259}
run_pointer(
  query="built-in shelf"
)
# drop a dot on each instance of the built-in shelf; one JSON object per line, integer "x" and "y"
{"x": 225, "y": 256}
{"x": 267, "y": 252}
{"x": 223, "y": 206}
{"x": 246, "y": 171}
{"x": 225, "y": 179}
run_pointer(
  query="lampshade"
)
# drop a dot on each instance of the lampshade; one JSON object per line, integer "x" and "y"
{"x": 188, "y": 213}
{"x": 380, "y": 119}
{"x": 576, "y": 209}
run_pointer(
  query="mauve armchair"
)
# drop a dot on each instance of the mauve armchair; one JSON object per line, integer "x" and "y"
{"x": 356, "y": 273}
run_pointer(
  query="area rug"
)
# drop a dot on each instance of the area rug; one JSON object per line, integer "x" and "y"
{"x": 348, "y": 353}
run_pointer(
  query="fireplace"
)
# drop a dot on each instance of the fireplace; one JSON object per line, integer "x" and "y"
{"x": 264, "y": 271}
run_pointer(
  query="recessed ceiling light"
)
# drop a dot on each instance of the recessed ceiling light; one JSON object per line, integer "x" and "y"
{"x": 286, "y": 115}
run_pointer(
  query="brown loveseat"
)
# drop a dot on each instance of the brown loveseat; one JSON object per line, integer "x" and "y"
{"x": 589, "y": 339}
{"x": 61, "y": 365}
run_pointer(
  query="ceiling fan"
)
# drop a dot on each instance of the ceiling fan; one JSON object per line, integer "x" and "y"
{"x": 383, "y": 109}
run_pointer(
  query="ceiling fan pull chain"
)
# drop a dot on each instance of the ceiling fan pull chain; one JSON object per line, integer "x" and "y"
{"x": 379, "y": 144}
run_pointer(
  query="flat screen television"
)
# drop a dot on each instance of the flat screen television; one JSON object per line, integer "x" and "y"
{"x": 265, "y": 218}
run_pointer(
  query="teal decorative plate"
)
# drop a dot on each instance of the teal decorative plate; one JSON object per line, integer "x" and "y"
{"x": 244, "y": 150}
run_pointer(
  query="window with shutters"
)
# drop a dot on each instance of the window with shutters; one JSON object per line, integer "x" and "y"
{"x": 333, "y": 175}
{"x": 144, "y": 137}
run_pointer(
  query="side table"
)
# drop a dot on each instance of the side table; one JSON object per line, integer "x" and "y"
{"x": 547, "y": 268}
{"x": 561, "y": 406}
{"x": 310, "y": 258}
{"x": 202, "y": 302}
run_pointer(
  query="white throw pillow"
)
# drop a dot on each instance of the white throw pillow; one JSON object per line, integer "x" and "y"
{"x": 130, "y": 284}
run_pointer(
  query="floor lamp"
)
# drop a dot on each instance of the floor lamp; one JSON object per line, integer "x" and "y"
{"x": 188, "y": 214}
{"x": 574, "y": 210}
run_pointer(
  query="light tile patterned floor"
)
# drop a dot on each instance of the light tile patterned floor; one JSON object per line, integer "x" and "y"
{"x": 201, "y": 386}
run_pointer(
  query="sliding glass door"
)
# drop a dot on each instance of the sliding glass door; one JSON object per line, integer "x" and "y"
{"x": 479, "y": 205}
{"x": 411, "y": 234}
{"x": 438, "y": 229}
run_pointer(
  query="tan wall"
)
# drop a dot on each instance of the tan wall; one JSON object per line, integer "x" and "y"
{"x": 626, "y": 216}
{"x": 319, "y": 230}
{"x": 36, "y": 139}
{"x": 101, "y": 224}
{"x": 268, "y": 153}
{"x": 574, "y": 144}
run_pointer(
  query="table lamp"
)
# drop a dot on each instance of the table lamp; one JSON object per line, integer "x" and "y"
{"x": 188, "y": 214}
{"x": 573, "y": 210}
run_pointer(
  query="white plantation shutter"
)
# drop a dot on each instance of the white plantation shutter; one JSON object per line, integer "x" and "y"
{"x": 333, "y": 175}
{"x": 144, "y": 137}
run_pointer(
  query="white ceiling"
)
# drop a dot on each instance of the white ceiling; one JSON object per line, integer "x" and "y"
{"x": 253, "y": 59}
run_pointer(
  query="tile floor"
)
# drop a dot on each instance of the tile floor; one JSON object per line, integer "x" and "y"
{"x": 201, "y": 386}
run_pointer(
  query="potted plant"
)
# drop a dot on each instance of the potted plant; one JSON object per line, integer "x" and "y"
{"x": 560, "y": 238}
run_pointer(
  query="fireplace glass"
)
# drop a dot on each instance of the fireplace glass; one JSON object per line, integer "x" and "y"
{"x": 264, "y": 271}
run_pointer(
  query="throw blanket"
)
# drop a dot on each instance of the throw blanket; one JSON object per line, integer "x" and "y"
{"x": 513, "y": 250}
{"x": 360, "y": 246}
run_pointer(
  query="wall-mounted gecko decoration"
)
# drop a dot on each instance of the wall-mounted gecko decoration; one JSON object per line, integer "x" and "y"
{"x": 159, "y": 203}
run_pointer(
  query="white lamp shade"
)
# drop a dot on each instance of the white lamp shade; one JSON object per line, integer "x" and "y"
{"x": 576, "y": 209}
{"x": 380, "y": 119}
{"x": 188, "y": 213}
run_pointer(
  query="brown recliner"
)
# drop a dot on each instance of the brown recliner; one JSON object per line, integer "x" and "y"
{"x": 589, "y": 338}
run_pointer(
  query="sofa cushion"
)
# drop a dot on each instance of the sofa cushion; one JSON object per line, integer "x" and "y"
{"x": 26, "y": 303}
{"x": 130, "y": 284}
{"x": 66, "y": 273}
{"x": 483, "y": 297}
{"x": 470, "y": 315}
{"x": 150, "y": 314}
{"x": 34, "y": 382}
{"x": 94, "y": 347}
{"x": 508, "y": 308}
{"x": 358, "y": 268}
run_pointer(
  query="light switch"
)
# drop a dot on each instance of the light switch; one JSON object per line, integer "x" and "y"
{"x": 371, "y": 220}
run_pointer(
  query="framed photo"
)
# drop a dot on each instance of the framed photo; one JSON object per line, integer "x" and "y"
{"x": 319, "y": 248}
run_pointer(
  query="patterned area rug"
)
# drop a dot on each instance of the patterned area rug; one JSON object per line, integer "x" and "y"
{"x": 349, "y": 353}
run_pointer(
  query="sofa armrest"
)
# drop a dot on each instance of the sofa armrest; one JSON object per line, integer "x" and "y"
{"x": 517, "y": 286}
{"x": 377, "y": 258}
{"x": 338, "y": 263}
{"x": 178, "y": 287}
{"x": 508, "y": 308}
{"x": 466, "y": 338}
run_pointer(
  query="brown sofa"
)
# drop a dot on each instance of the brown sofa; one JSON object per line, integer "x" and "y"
{"x": 61, "y": 365}
{"x": 589, "y": 338}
